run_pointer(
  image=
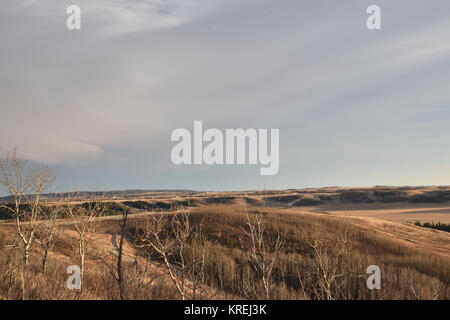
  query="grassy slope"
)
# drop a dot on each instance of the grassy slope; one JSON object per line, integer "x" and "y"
{"x": 409, "y": 256}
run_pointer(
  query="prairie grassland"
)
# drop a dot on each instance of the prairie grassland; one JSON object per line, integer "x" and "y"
{"x": 320, "y": 256}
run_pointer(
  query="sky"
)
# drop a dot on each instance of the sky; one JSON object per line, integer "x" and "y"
{"x": 354, "y": 107}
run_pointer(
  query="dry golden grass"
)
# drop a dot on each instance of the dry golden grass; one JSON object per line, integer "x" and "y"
{"x": 415, "y": 261}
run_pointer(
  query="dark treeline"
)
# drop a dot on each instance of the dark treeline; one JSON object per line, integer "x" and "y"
{"x": 433, "y": 225}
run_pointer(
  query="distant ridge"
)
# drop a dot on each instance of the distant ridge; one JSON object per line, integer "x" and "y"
{"x": 124, "y": 194}
{"x": 296, "y": 197}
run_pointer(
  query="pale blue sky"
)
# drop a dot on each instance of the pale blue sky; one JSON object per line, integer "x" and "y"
{"x": 354, "y": 107}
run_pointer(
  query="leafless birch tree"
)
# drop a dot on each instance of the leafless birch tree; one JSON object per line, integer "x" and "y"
{"x": 48, "y": 233}
{"x": 85, "y": 221}
{"x": 25, "y": 182}
{"x": 183, "y": 252}
{"x": 263, "y": 250}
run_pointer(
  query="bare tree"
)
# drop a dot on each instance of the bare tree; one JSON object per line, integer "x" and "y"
{"x": 436, "y": 289}
{"x": 410, "y": 285}
{"x": 264, "y": 250}
{"x": 328, "y": 266}
{"x": 153, "y": 237}
{"x": 181, "y": 248}
{"x": 325, "y": 270}
{"x": 85, "y": 220}
{"x": 118, "y": 273}
{"x": 25, "y": 183}
{"x": 48, "y": 235}
{"x": 144, "y": 278}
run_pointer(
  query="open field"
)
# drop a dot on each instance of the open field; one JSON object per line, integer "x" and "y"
{"x": 399, "y": 212}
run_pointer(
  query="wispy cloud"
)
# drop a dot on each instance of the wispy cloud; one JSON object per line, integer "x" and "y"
{"x": 124, "y": 16}
{"x": 53, "y": 150}
{"x": 142, "y": 15}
